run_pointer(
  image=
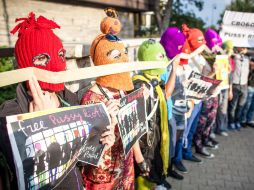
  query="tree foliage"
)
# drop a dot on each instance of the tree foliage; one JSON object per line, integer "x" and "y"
{"x": 8, "y": 92}
{"x": 240, "y": 6}
{"x": 173, "y": 13}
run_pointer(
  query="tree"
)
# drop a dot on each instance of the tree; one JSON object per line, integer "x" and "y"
{"x": 171, "y": 12}
{"x": 240, "y": 6}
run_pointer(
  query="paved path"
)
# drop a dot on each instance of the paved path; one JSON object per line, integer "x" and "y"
{"x": 231, "y": 169}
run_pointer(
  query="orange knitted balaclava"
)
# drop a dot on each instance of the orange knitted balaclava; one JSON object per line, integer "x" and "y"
{"x": 194, "y": 37}
{"x": 109, "y": 49}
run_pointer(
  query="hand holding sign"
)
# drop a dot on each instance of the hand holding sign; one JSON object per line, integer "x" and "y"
{"x": 41, "y": 100}
{"x": 113, "y": 109}
{"x": 108, "y": 137}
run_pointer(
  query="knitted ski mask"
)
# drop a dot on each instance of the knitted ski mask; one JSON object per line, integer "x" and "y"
{"x": 212, "y": 38}
{"x": 37, "y": 46}
{"x": 109, "y": 49}
{"x": 228, "y": 46}
{"x": 150, "y": 50}
{"x": 194, "y": 37}
{"x": 172, "y": 40}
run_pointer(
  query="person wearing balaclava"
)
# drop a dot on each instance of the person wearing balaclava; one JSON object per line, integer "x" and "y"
{"x": 173, "y": 40}
{"x": 207, "y": 118}
{"x": 213, "y": 41}
{"x": 116, "y": 171}
{"x": 37, "y": 46}
{"x": 155, "y": 144}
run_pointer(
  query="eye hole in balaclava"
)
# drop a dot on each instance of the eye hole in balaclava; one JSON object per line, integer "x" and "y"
{"x": 61, "y": 54}
{"x": 41, "y": 59}
{"x": 114, "y": 54}
{"x": 201, "y": 39}
{"x": 160, "y": 56}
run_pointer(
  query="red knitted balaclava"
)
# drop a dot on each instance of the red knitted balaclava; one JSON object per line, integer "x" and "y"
{"x": 37, "y": 46}
{"x": 194, "y": 37}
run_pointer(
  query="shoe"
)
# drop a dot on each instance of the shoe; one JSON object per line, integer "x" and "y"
{"x": 224, "y": 134}
{"x": 194, "y": 159}
{"x": 175, "y": 175}
{"x": 238, "y": 126}
{"x": 166, "y": 184}
{"x": 203, "y": 152}
{"x": 214, "y": 142}
{"x": 250, "y": 125}
{"x": 179, "y": 166}
{"x": 210, "y": 144}
{"x": 244, "y": 125}
{"x": 231, "y": 127}
{"x": 212, "y": 135}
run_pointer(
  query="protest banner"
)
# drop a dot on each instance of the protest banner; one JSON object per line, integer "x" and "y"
{"x": 238, "y": 27}
{"x": 222, "y": 70}
{"x": 132, "y": 119}
{"x": 200, "y": 87}
{"x": 47, "y": 146}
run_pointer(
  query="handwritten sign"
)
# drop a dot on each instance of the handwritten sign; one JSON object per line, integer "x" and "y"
{"x": 46, "y": 147}
{"x": 222, "y": 70}
{"x": 199, "y": 87}
{"x": 132, "y": 119}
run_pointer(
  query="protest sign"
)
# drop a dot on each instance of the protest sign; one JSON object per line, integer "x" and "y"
{"x": 199, "y": 87}
{"x": 132, "y": 119}
{"x": 47, "y": 146}
{"x": 238, "y": 27}
{"x": 222, "y": 70}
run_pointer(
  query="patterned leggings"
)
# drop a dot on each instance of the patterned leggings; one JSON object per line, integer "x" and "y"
{"x": 206, "y": 122}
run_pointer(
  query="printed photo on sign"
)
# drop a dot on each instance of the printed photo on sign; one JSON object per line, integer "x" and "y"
{"x": 199, "y": 87}
{"x": 132, "y": 119}
{"x": 47, "y": 147}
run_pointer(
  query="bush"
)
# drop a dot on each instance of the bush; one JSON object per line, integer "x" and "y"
{"x": 7, "y": 92}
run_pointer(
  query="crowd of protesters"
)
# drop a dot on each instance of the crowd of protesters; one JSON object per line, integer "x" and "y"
{"x": 177, "y": 123}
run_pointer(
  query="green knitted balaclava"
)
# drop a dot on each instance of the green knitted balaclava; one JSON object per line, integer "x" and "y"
{"x": 150, "y": 50}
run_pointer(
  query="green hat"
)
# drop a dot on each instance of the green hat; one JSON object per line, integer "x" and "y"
{"x": 228, "y": 46}
{"x": 150, "y": 50}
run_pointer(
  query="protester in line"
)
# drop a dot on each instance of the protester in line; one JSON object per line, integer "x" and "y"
{"x": 240, "y": 88}
{"x": 172, "y": 40}
{"x": 247, "y": 118}
{"x": 155, "y": 144}
{"x": 37, "y": 46}
{"x": 116, "y": 171}
{"x": 194, "y": 39}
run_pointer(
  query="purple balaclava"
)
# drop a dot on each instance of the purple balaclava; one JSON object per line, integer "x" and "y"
{"x": 172, "y": 40}
{"x": 212, "y": 38}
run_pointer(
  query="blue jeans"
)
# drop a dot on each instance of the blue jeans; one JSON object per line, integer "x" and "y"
{"x": 192, "y": 123}
{"x": 236, "y": 105}
{"x": 248, "y": 111}
{"x": 222, "y": 117}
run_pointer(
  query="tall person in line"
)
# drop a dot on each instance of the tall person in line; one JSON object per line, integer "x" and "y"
{"x": 37, "y": 46}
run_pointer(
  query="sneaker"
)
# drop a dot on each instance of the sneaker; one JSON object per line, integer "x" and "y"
{"x": 214, "y": 141}
{"x": 179, "y": 166}
{"x": 175, "y": 175}
{"x": 212, "y": 135}
{"x": 244, "y": 125}
{"x": 203, "y": 152}
{"x": 238, "y": 126}
{"x": 194, "y": 159}
{"x": 231, "y": 127}
{"x": 224, "y": 134}
{"x": 250, "y": 125}
{"x": 166, "y": 184}
{"x": 210, "y": 144}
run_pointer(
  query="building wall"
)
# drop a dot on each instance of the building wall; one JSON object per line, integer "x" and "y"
{"x": 79, "y": 24}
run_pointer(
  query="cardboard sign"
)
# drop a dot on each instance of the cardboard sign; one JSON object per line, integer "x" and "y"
{"x": 222, "y": 70}
{"x": 238, "y": 27}
{"x": 132, "y": 119}
{"x": 47, "y": 146}
{"x": 200, "y": 87}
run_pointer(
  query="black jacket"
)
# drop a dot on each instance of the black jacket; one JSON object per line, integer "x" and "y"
{"x": 20, "y": 105}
